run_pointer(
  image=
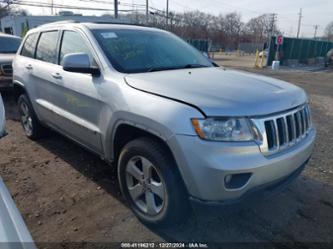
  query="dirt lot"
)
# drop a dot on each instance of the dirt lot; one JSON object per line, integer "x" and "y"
{"x": 67, "y": 194}
{"x": 234, "y": 60}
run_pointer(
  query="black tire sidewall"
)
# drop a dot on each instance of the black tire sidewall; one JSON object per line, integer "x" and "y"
{"x": 172, "y": 210}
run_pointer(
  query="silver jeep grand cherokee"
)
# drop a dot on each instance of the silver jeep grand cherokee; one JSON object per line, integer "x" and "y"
{"x": 179, "y": 129}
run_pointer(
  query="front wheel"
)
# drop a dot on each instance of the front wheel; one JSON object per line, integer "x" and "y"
{"x": 150, "y": 182}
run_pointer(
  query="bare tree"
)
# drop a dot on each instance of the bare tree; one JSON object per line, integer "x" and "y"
{"x": 10, "y": 10}
{"x": 225, "y": 31}
{"x": 329, "y": 31}
{"x": 260, "y": 28}
{"x": 232, "y": 27}
{"x": 4, "y": 10}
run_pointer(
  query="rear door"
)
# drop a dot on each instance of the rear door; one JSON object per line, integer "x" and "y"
{"x": 24, "y": 63}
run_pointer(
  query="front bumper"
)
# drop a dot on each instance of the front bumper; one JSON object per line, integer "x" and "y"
{"x": 256, "y": 193}
{"x": 204, "y": 165}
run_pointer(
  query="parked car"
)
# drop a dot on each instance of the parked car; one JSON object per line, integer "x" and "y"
{"x": 13, "y": 231}
{"x": 8, "y": 47}
{"x": 329, "y": 58}
{"x": 179, "y": 130}
{"x": 2, "y": 119}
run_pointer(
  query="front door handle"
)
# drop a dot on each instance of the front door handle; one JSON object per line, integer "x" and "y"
{"x": 56, "y": 76}
{"x": 29, "y": 67}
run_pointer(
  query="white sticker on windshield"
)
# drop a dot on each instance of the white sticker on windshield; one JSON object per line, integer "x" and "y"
{"x": 109, "y": 35}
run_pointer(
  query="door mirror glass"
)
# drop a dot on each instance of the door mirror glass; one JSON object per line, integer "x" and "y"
{"x": 78, "y": 63}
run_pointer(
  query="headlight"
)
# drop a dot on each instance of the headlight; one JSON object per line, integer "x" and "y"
{"x": 223, "y": 129}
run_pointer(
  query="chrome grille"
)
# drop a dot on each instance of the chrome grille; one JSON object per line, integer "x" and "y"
{"x": 284, "y": 130}
{"x": 7, "y": 69}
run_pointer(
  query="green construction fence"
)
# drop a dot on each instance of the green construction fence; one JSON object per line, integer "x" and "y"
{"x": 298, "y": 49}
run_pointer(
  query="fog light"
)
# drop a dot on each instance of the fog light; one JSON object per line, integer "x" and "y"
{"x": 227, "y": 179}
{"x": 235, "y": 181}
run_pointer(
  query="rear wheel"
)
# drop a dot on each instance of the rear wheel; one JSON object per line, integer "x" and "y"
{"x": 30, "y": 123}
{"x": 151, "y": 183}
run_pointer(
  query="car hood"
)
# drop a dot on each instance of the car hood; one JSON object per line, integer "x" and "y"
{"x": 221, "y": 92}
{"x": 6, "y": 58}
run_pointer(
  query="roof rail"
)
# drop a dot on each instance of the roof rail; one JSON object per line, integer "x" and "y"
{"x": 58, "y": 22}
{"x": 119, "y": 23}
{"x": 93, "y": 22}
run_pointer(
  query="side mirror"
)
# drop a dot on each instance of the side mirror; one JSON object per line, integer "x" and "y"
{"x": 79, "y": 63}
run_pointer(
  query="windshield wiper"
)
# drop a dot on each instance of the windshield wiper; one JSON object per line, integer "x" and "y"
{"x": 155, "y": 69}
{"x": 194, "y": 66}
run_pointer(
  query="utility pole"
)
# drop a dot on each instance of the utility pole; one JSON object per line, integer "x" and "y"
{"x": 299, "y": 22}
{"x": 273, "y": 20}
{"x": 167, "y": 13}
{"x": 116, "y": 9}
{"x": 315, "y": 32}
{"x": 51, "y": 7}
{"x": 147, "y": 13}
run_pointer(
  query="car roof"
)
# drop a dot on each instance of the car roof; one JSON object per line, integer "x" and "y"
{"x": 97, "y": 25}
{"x": 9, "y": 36}
{"x": 118, "y": 26}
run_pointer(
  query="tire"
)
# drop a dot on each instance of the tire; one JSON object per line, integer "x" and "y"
{"x": 170, "y": 206}
{"x": 30, "y": 123}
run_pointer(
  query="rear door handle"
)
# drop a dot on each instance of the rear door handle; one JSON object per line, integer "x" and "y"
{"x": 29, "y": 67}
{"x": 56, "y": 76}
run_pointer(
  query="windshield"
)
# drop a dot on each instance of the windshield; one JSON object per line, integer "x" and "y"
{"x": 9, "y": 45}
{"x": 137, "y": 51}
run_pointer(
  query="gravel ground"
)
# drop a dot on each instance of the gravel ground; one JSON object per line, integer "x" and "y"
{"x": 67, "y": 194}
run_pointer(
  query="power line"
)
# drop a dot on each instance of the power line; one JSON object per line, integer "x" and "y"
{"x": 61, "y": 6}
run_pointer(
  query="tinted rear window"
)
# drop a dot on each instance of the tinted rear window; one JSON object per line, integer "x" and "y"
{"x": 47, "y": 47}
{"x": 9, "y": 45}
{"x": 29, "y": 46}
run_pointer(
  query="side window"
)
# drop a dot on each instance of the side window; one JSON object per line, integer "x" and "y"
{"x": 47, "y": 47}
{"x": 29, "y": 46}
{"x": 72, "y": 42}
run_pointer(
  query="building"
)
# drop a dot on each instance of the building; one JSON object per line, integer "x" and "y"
{"x": 18, "y": 25}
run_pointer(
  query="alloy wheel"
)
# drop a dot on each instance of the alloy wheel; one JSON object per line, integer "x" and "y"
{"x": 145, "y": 185}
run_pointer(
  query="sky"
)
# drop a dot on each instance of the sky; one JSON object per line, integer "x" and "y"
{"x": 314, "y": 12}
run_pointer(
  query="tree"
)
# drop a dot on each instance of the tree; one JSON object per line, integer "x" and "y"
{"x": 6, "y": 9}
{"x": 225, "y": 31}
{"x": 260, "y": 28}
{"x": 329, "y": 31}
{"x": 232, "y": 27}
